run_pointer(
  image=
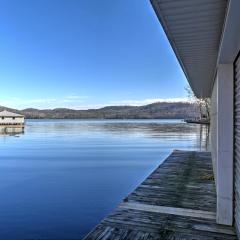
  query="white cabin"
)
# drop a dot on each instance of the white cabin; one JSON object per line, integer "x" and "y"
{"x": 10, "y": 118}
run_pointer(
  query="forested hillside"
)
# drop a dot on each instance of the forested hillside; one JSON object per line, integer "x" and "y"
{"x": 152, "y": 111}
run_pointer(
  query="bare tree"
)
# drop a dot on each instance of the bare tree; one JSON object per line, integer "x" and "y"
{"x": 203, "y": 104}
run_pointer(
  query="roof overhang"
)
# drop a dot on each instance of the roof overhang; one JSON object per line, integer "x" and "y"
{"x": 6, "y": 113}
{"x": 194, "y": 29}
{"x": 230, "y": 44}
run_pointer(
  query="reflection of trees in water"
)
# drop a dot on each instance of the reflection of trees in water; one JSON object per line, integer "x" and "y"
{"x": 204, "y": 137}
{"x": 198, "y": 132}
{"x": 150, "y": 128}
{"x": 169, "y": 130}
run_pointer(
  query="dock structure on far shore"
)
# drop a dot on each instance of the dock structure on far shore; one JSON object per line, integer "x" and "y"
{"x": 177, "y": 201}
{"x": 11, "y": 122}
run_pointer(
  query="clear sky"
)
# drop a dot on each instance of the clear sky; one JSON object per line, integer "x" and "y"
{"x": 83, "y": 54}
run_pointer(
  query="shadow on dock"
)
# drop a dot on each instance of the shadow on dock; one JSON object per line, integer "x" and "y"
{"x": 177, "y": 201}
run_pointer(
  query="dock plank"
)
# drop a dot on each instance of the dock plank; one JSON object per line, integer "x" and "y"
{"x": 176, "y": 202}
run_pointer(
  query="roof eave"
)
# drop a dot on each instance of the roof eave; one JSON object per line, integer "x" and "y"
{"x": 201, "y": 90}
{"x": 170, "y": 39}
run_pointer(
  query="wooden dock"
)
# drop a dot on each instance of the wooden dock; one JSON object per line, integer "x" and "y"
{"x": 177, "y": 201}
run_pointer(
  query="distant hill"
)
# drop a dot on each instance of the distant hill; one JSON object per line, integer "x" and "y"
{"x": 159, "y": 110}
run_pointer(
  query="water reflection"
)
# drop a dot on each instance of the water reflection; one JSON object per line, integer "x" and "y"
{"x": 62, "y": 177}
{"x": 113, "y": 125}
{"x": 152, "y": 129}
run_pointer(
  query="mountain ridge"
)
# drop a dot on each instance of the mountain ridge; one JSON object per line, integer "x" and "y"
{"x": 158, "y": 110}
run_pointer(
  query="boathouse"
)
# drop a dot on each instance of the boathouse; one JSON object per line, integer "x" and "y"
{"x": 178, "y": 200}
{"x": 205, "y": 36}
{"x": 11, "y": 122}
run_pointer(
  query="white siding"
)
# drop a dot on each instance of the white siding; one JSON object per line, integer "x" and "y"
{"x": 213, "y": 126}
{"x": 237, "y": 146}
{"x": 222, "y": 142}
{"x": 10, "y": 120}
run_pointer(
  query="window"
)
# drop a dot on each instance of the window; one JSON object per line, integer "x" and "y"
{"x": 13, "y": 118}
{"x": 2, "y": 118}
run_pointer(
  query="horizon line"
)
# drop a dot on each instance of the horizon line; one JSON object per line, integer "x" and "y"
{"x": 99, "y": 107}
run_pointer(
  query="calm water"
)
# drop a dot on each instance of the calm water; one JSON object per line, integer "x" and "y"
{"x": 61, "y": 177}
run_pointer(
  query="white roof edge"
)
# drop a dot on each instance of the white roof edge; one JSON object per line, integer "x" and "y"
{"x": 6, "y": 113}
{"x": 223, "y": 35}
{"x": 230, "y": 42}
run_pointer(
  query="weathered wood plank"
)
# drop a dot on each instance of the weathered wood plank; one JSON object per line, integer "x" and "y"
{"x": 169, "y": 210}
{"x": 177, "y": 201}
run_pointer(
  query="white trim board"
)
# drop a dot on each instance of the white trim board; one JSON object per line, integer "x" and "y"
{"x": 169, "y": 210}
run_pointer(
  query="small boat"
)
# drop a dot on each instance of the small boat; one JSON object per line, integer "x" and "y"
{"x": 197, "y": 121}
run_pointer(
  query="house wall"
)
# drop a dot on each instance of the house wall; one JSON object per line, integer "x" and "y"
{"x": 10, "y": 120}
{"x": 222, "y": 141}
{"x": 213, "y": 127}
{"x": 228, "y": 52}
{"x": 237, "y": 144}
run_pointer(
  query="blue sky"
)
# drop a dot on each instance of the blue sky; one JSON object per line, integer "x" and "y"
{"x": 83, "y": 54}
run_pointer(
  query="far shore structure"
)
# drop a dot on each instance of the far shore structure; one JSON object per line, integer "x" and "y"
{"x": 11, "y": 122}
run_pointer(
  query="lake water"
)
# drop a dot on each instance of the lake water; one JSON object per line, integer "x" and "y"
{"x": 61, "y": 177}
